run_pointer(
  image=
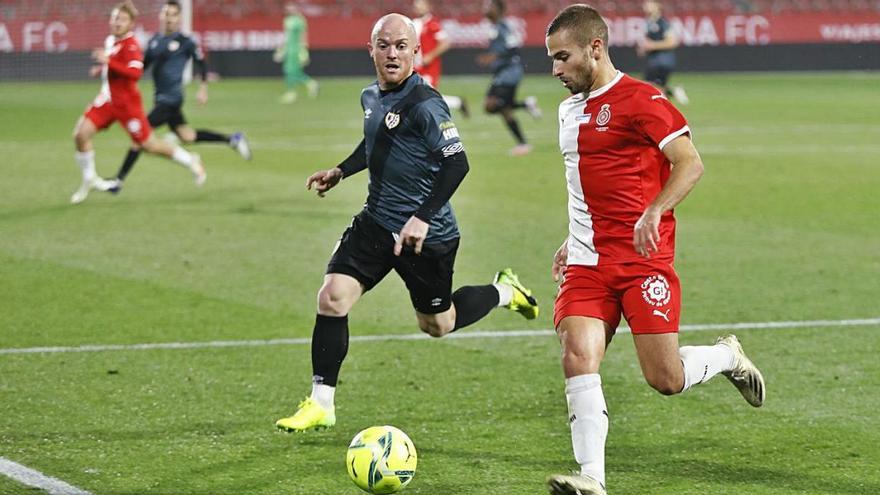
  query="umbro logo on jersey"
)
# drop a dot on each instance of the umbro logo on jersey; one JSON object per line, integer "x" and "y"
{"x": 392, "y": 120}
{"x": 452, "y": 149}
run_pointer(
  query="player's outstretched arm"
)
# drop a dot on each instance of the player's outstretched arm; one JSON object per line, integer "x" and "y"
{"x": 324, "y": 180}
{"x": 687, "y": 168}
{"x": 202, "y": 93}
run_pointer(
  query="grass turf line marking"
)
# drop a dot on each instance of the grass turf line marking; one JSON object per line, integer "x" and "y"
{"x": 767, "y": 325}
{"x": 36, "y": 479}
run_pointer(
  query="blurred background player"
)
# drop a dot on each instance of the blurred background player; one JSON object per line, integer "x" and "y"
{"x": 293, "y": 54}
{"x": 658, "y": 47}
{"x": 503, "y": 58}
{"x": 168, "y": 53}
{"x": 120, "y": 100}
{"x": 434, "y": 44}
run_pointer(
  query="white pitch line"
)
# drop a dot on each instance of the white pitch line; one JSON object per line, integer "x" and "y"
{"x": 36, "y": 479}
{"x": 499, "y": 334}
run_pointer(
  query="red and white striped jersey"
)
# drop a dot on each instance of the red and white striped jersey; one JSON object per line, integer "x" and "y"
{"x": 121, "y": 72}
{"x": 611, "y": 142}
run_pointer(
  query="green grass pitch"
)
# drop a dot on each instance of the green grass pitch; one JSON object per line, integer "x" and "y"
{"x": 783, "y": 226}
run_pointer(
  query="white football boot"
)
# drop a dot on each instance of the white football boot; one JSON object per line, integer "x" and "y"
{"x": 198, "y": 170}
{"x": 87, "y": 185}
{"x": 563, "y": 484}
{"x": 745, "y": 376}
{"x": 239, "y": 143}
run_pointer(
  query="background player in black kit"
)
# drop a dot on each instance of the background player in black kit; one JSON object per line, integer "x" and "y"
{"x": 416, "y": 162}
{"x": 168, "y": 53}
{"x": 658, "y": 47}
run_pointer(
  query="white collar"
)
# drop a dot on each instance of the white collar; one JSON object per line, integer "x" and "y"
{"x": 604, "y": 89}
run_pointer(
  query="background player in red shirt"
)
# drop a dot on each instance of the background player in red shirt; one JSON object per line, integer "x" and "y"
{"x": 435, "y": 43}
{"x": 629, "y": 160}
{"x": 120, "y": 100}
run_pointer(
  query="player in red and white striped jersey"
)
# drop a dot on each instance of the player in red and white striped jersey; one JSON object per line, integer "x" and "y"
{"x": 629, "y": 161}
{"x": 434, "y": 43}
{"x": 121, "y": 65}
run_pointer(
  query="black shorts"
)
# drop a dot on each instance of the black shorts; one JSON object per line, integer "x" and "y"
{"x": 658, "y": 75}
{"x": 366, "y": 252}
{"x": 163, "y": 113}
{"x": 505, "y": 93}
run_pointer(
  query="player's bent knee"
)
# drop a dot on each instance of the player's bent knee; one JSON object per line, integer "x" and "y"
{"x": 436, "y": 327}
{"x": 666, "y": 384}
{"x": 81, "y": 136}
{"x": 332, "y": 303}
{"x": 581, "y": 359}
{"x": 188, "y": 136}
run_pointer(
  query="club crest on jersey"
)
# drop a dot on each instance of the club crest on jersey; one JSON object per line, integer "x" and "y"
{"x": 134, "y": 126}
{"x": 173, "y": 45}
{"x": 655, "y": 290}
{"x": 392, "y": 119}
{"x": 604, "y": 115}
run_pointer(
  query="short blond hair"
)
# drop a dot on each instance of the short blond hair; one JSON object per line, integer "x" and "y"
{"x": 128, "y": 7}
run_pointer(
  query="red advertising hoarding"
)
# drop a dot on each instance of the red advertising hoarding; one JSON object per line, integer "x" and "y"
{"x": 218, "y": 33}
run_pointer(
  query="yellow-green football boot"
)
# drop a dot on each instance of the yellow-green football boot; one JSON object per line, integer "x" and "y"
{"x": 522, "y": 301}
{"x": 309, "y": 415}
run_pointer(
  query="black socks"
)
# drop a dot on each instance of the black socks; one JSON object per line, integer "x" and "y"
{"x": 513, "y": 125}
{"x": 473, "y": 302}
{"x": 128, "y": 163}
{"x": 202, "y": 135}
{"x": 329, "y": 347}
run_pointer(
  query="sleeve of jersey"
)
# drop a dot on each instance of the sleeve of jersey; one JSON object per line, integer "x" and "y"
{"x": 439, "y": 131}
{"x": 658, "y": 119}
{"x": 148, "y": 56}
{"x": 199, "y": 61}
{"x": 356, "y": 161}
{"x": 442, "y": 137}
{"x": 127, "y": 63}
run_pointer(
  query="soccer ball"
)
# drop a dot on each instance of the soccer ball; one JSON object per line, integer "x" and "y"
{"x": 381, "y": 459}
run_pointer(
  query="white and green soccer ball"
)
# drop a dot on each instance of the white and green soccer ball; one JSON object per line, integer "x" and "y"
{"x": 381, "y": 459}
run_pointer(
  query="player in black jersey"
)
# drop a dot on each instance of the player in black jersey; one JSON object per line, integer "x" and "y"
{"x": 416, "y": 161}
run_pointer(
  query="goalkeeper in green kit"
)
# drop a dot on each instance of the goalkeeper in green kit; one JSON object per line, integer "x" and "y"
{"x": 293, "y": 54}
